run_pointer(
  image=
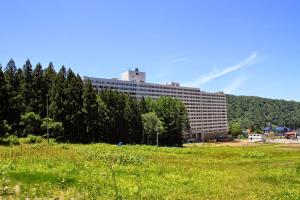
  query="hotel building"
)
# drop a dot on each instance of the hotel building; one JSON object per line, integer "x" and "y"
{"x": 207, "y": 112}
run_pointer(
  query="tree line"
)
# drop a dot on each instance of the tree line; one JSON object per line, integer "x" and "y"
{"x": 246, "y": 112}
{"x": 80, "y": 114}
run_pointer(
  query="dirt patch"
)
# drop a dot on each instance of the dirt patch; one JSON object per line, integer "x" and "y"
{"x": 234, "y": 143}
{"x": 238, "y": 143}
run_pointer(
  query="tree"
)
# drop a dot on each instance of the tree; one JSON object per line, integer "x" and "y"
{"x": 73, "y": 105}
{"x": 235, "y": 129}
{"x": 32, "y": 123}
{"x": 256, "y": 112}
{"x": 103, "y": 119}
{"x": 90, "y": 110}
{"x": 152, "y": 127}
{"x": 49, "y": 77}
{"x": 55, "y": 128}
{"x": 38, "y": 85}
{"x": 13, "y": 79}
{"x": 173, "y": 114}
{"x": 134, "y": 121}
{"x": 144, "y": 108}
{"x": 5, "y": 128}
{"x": 115, "y": 127}
{"x": 3, "y": 97}
{"x": 58, "y": 99}
{"x": 27, "y": 90}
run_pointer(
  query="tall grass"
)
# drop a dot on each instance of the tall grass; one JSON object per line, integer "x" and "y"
{"x": 102, "y": 171}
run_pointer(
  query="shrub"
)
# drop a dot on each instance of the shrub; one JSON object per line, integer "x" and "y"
{"x": 32, "y": 139}
{"x": 10, "y": 140}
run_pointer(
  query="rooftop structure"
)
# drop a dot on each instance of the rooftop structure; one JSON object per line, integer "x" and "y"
{"x": 135, "y": 76}
{"x": 207, "y": 112}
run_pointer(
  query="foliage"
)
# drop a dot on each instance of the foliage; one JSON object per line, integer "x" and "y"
{"x": 9, "y": 140}
{"x": 3, "y": 103}
{"x": 256, "y": 112}
{"x": 235, "y": 128}
{"x": 31, "y": 122}
{"x": 90, "y": 112}
{"x": 55, "y": 128}
{"x": 32, "y": 139}
{"x": 152, "y": 126}
{"x": 174, "y": 117}
{"x": 5, "y": 128}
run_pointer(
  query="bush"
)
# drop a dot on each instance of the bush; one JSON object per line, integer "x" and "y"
{"x": 10, "y": 140}
{"x": 32, "y": 139}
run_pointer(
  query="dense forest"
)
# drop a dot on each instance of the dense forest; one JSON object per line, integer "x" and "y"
{"x": 256, "y": 112}
{"x": 34, "y": 101}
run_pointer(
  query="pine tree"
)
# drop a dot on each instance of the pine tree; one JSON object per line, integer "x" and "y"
{"x": 39, "y": 97}
{"x": 3, "y": 96}
{"x": 3, "y": 102}
{"x": 90, "y": 110}
{"x": 57, "y": 106}
{"x": 13, "y": 79}
{"x": 134, "y": 121}
{"x": 73, "y": 106}
{"x": 103, "y": 119}
{"x": 49, "y": 77}
{"x": 116, "y": 127}
{"x": 27, "y": 90}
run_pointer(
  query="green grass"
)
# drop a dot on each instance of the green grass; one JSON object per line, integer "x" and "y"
{"x": 102, "y": 171}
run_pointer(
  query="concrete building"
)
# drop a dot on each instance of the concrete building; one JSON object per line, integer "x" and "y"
{"x": 207, "y": 112}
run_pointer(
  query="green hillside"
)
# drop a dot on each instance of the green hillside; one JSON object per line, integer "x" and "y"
{"x": 259, "y": 112}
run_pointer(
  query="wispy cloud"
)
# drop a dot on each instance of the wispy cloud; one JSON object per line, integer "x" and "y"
{"x": 237, "y": 83}
{"x": 218, "y": 73}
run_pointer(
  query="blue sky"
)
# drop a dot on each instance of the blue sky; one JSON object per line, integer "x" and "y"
{"x": 241, "y": 47}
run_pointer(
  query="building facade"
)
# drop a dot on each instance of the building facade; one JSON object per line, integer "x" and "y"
{"x": 207, "y": 112}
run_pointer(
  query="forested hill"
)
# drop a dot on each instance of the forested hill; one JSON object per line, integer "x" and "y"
{"x": 259, "y": 112}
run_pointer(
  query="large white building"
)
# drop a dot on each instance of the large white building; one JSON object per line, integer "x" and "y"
{"x": 207, "y": 111}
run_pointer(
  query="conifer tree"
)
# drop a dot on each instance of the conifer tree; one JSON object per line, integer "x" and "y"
{"x": 134, "y": 121}
{"x": 73, "y": 106}
{"x": 13, "y": 79}
{"x": 27, "y": 90}
{"x": 49, "y": 77}
{"x": 57, "y": 106}
{"x": 3, "y": 96}
{"x": 3, "y": 102}
{"x": 116, "y": 129}
{"x": 90, "y": 110}
{"x": 39, "y": 97}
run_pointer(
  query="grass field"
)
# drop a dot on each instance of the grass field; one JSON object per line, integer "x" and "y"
{"x": 101, "y": 171}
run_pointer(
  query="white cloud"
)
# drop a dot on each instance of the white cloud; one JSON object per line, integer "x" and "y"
{"x": 218, "y": 73}
{"x": 237, "y": 83}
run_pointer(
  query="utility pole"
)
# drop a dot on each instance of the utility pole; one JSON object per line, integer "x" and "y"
{"x": 47, "y": 119}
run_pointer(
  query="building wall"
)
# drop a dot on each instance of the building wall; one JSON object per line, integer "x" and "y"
{"x": 207, "y": 112}
{"x": 135, "y": 76}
